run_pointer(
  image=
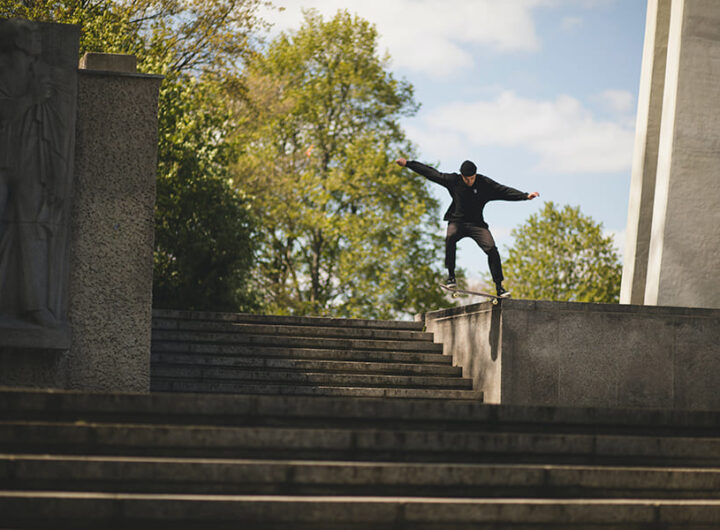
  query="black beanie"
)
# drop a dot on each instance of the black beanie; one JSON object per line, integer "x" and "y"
{"x": 468, "y": 169}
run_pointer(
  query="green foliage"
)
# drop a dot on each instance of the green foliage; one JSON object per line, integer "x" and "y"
{"x": 310, "y": 130}
{"x": 345, "y": 232}
{"x": 204, "y": 227}
{"x": 105, "y": 26}
{"x": 205, "y": 230}
{"x": 211, "y": 268}
{"x": 562, "y": 255}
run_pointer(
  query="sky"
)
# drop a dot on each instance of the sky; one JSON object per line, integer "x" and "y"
{"x": 540, "y": 94}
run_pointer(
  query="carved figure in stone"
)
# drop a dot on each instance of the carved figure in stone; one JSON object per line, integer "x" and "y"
{"x": 36, "y": 139}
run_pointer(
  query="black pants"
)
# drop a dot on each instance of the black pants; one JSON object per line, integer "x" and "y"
{"x": 481, "y": 236}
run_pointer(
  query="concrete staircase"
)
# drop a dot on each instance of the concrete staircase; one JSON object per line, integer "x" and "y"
{"x": 339, "y": 458}
{"x": 78, "y": 460}
{"x": 256, "y": 354}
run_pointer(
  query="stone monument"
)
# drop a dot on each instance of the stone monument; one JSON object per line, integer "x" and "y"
{"x": 672, "y": 251}
{"x": 78, "y": 157}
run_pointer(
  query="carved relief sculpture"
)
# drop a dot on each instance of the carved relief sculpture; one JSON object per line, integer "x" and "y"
{"x": 37, "y": 129}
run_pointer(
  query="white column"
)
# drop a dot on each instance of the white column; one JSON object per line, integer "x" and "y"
{"x": 647, "y": 134}
{"x": 684, "y": 254}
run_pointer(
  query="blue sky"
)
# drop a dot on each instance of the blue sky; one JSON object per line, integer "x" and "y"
{"x": 540, "y": 94}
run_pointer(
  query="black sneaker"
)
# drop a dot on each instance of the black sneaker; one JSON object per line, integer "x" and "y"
{"x": 450, "y": 282}
{"x": 501, "y": 292}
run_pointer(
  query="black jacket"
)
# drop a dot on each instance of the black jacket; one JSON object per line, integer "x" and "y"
{"x": 468, "y": 201}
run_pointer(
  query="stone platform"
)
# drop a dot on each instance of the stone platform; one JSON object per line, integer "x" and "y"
{"x": 525, "y": 352}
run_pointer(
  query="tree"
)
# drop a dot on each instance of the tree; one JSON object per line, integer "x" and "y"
{"x": 204, "y": 226}
{"x": 562, "y": 255}
{"x": 344, "y": 231}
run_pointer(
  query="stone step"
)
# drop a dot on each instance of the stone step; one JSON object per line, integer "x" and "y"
{"x": 304, "y": 365}
{"x": 22, "y": 510}
{"x": 282, "y": 477}
{"x": 164, "y": 314}
{"x": 429, "y": 414}
{"x": 328, "y": 354}
{"x": 392, "y": 445}
{"x": 217, "y": 386}
{"x": 240, "y": 375}
{"x": 294, "y": 330}
{"x": 296, "y": 342}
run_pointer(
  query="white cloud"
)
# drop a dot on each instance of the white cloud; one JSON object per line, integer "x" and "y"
{"x": 444, "y": 142}
{"x": 440, "y": 38}
{"x": 617, "y": 101}
{"x": 565, "y": 135}
{"x": 431, "y": 37}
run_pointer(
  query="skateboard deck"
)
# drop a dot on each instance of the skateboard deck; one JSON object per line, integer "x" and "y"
{"x": 457, "y": 292}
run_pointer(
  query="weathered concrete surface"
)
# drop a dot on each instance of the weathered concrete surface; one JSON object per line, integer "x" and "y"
{"x": 110, "y": 286}
{"x": 471, "y": 335}
{"x": 64, "y": 509}
{"x": 109, "y": 62}
{"x": 684, "y": 257}
{"x": 198, "y": 476}
{"x": 683, "y": 247}
{"x": 112, "y": 226}
{"x": 125, "y": 460}
{"x": 309, "y": 356}
{"x": 570, "y": 354}
{"x": 645, "y": 155}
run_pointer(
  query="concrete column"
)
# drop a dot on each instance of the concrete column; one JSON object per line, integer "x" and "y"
{"x": 684, "y": 254}
{"x": 645, "y": 156}
{"x": 112, "y": 226}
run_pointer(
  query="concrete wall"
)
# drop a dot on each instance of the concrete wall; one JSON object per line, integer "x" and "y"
{"x": 471, "y": 335}
{"x": 571, "y": 354}
{"x": 682, "y": 244}
{"x": 110, "y": 289}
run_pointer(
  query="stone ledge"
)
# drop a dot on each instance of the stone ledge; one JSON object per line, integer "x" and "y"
{"x": 543, "y": 305}
{"x": 110, "y": 62}
{"x": 525, "y": 352}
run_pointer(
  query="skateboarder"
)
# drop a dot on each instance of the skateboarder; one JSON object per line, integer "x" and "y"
{"x": 470, "y": 193}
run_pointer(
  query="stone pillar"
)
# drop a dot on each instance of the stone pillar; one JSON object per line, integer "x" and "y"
{"x": 113, "y": 226}
{"x": 684, "y": 255}
{"x": 645, "y": 156}
{"x": 683, "y": 248}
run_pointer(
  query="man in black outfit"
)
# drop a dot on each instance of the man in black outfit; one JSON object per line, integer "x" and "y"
{"x": 470, "y": 193}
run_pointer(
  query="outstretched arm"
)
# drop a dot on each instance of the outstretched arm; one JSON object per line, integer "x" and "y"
{"x": 426, "y": 171}
{"x": 498, "y": 191}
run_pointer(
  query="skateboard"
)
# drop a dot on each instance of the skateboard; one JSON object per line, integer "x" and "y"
{"x": 458, "y": 292}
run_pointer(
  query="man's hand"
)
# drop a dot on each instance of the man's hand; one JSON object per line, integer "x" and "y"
{"x": 532, "y": 195}
{"x": 401, "y": 162}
